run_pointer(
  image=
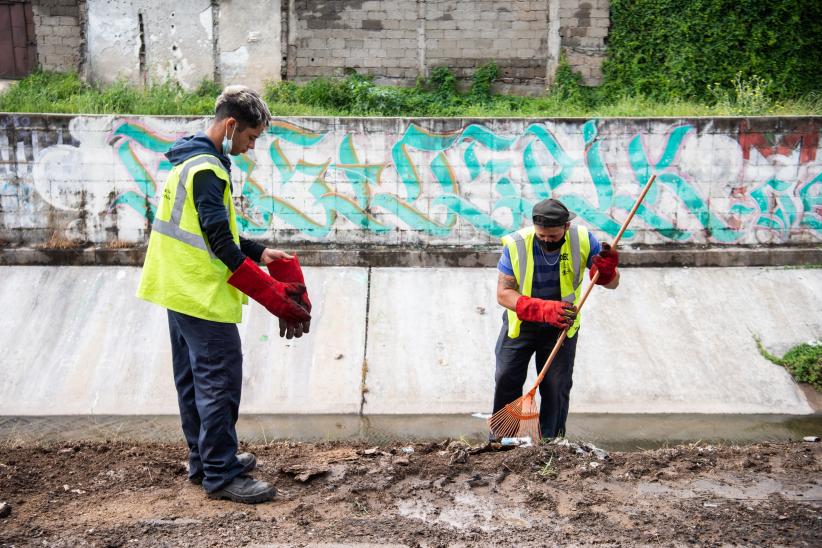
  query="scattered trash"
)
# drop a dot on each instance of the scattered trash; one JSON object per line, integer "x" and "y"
{"x": 371, "y": 452}
{"x": 601, "y": 454}
{"x": 812, "y": 439}
{"x": 459, "y": 457}
{"x": 520, "y": 442}
{"x": 407, "y": 450}
{"x": 710, "y": 505}
{"x": 5, "y": 509}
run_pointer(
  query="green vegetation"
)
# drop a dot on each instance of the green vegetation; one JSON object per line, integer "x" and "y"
{"x": 65, "y": 92}
{"x": 692, "y": 49}
{"x": 357, "y": 95}
{"x": 804, "y": 362}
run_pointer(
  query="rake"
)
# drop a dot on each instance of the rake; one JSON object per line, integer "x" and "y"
{"x": 520, "y": 418}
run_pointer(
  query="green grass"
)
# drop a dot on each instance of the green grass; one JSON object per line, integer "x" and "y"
{"x": 66, "y": 93}
{"x": 355, "y": 95}
{"x": 804, "y": 362}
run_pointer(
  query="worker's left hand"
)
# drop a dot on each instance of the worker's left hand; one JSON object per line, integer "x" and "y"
{"x": 606, "y": 263}
{"x": 274, "y": 254}
{"x": 293, "y": 330}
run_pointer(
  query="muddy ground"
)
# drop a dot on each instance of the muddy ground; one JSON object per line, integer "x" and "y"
{"x": 441, "y": 494}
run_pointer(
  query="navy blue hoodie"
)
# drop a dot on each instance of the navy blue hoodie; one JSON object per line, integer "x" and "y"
{"x": 208, "y": 200}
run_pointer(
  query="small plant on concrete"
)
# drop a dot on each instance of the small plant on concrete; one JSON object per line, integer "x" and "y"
{"x": 804, "y": 362}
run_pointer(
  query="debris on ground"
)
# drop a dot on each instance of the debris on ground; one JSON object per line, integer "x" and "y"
{"x": 442, "y": 493}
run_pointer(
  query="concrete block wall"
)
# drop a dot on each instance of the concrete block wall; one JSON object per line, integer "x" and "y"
{"x": 426, "y": 183}
{"x": 583, "y": 31}
{"x": 332, "y": 37}
{"x": 394, "y": 40}
{"x": 465, "y": 34}
{"x": 59, "y": 30}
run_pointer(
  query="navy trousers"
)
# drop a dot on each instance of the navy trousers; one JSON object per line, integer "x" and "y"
{"x": 513, "y": 356}
{"x": 208, "y": 373}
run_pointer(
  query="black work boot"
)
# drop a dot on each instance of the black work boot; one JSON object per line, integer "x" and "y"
{"x": 246, "y": 490}
{"x": 248, "y": 461}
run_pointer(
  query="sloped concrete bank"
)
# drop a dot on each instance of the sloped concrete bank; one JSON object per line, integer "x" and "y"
{"x": 76, "y": 341}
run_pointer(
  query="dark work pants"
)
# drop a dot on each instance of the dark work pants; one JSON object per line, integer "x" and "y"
{"x": 208, "y": 373}
{"x": 513, "y": 356}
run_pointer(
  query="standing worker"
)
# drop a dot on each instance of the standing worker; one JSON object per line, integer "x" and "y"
{"x": 200, "y": 269}
{"x": 540, "y": 283}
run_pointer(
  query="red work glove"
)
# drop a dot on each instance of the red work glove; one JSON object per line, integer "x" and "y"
{"x": 281, "y": 299}
{"x": 289, "y": 270}
{"x": 557, "y": 313}
{"x": 606, "y": 263}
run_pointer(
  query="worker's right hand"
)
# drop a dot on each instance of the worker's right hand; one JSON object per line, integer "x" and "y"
{"x": 279, "y": 298}
{"x": 557, "y": 313}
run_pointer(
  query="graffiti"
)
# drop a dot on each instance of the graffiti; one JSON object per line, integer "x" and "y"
{"x": 437, "y": 182}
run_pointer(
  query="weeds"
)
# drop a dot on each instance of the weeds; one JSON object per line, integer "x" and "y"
{"x": 435, "y": 96}
{"x": 548, "y": 470}
{"x": 804, "y": 362}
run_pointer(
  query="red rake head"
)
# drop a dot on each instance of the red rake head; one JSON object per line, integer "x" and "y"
{"x": 519, "y": 418}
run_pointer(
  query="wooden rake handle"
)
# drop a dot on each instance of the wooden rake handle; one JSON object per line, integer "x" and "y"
{"x": 564, "y": 333}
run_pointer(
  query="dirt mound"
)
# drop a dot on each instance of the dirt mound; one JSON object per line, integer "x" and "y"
{"x": 434, "y": 494}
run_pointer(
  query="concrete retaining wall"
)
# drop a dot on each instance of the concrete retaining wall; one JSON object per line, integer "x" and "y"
{"x": 429, "y": 183}
{"x": 76, "y": 341}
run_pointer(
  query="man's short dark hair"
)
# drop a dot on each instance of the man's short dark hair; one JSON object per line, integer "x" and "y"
{"x": 243, "y": 104}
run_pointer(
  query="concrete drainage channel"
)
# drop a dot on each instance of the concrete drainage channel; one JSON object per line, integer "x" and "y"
{"x": 609, "y": 431}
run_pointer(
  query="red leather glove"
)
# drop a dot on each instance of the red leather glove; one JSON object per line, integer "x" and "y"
{"x": 289, "y": 270}
{"x": 606, "y": 263}
{"x": 281, "y": 299}
{"x": 557, "y": 313}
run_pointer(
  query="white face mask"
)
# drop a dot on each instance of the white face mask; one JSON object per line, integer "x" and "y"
{"x": 228, "y": 143}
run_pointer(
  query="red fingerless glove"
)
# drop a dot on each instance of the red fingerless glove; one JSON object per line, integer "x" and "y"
{"x": 557, "y": 313}
{"x": 606, "y": 264}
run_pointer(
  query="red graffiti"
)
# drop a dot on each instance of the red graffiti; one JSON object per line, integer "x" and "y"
{"x": 805, "y": 136}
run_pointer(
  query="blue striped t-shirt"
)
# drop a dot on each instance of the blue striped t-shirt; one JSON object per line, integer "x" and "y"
{"x": 546, "y": 274}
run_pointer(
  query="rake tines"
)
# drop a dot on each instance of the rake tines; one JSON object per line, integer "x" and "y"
{"x": 520, "y": 418}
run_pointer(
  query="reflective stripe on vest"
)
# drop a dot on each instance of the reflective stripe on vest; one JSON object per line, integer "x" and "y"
{"x": 574, "y": 250}
{"x": 172, "y": 228}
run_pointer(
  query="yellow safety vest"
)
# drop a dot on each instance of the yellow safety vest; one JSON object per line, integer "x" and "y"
{"x": 180, "y": 271}
{"x": 573, "y": 259}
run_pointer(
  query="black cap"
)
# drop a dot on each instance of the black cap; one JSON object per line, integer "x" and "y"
{"x": 551, "y": 212}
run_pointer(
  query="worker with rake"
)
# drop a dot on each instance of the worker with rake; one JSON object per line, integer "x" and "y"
{"x": 540, "y": 284}
{"x": 199, "y": 268}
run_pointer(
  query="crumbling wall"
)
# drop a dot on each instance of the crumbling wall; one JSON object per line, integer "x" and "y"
{"x": 58, "y": 27}
{"x": 188, "y": 41}
{"x": 400, "y": 40}
{"x": 426, "y": 182}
